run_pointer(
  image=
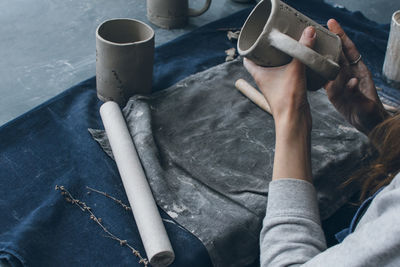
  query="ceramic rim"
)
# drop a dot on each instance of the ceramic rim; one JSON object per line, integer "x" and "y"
{"x": 147, "y": 27}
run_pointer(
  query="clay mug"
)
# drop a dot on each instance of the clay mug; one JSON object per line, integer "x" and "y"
{"x": 171, "y": 14}
{"x": 124, "y": 59}
{"x": 391, "y": 65}
{"x": 270, "y": 37}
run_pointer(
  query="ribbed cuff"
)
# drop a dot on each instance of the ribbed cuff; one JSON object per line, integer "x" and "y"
{"x": 292, "y": 197}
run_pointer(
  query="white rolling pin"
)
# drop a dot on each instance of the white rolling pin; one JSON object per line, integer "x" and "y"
{"x": 148, "y": 220}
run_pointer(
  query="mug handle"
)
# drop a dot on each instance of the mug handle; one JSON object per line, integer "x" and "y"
{"x": 324, "y": 66}
{"x": 195, "y": 13}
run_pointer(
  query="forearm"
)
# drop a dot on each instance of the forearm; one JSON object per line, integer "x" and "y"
{"x": 292, "y": 232}
{"x": 292, "y": 147}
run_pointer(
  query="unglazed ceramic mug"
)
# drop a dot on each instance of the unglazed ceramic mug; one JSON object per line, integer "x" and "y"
{"x": 391, "y": 65}
{"x": 270, "y": 37}
{"x": 171, "y": 14}
{"x": 124, "y": 59}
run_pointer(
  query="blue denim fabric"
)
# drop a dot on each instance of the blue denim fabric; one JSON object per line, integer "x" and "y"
{"x": 50, "y": 145}
{"x": 340, "y": 236}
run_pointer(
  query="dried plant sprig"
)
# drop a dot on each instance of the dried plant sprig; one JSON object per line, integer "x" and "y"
{"x": 82, "y": 205}
{"x": 126, "y": 207}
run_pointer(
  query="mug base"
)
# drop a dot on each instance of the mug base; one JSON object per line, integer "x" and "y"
{"x": 391, "y": 83}
{"x": 168, "y": 22}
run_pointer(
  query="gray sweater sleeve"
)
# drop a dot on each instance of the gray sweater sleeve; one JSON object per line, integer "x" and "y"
{"x": 292, "y": 233}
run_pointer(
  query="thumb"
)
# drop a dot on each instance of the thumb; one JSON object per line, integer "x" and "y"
{"x": 308, "y": 39}
{"x": 308, "y": 36}
{"x": 352, "y": 84}
{"x": 251, "y": 67}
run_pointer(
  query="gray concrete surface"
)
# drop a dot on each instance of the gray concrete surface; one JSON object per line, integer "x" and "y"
{"x": 48, "y": 46}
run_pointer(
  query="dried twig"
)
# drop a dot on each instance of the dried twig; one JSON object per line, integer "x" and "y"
{"x": 82, "y": 205}
{"x": 126, "y": 207}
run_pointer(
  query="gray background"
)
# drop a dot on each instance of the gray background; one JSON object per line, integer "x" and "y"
{"x": 47, "y": 46}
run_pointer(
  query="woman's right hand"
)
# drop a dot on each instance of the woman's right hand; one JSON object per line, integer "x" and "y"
{"x": 353, "y": 92}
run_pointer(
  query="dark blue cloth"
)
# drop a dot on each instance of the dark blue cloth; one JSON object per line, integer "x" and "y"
{"x": 50, "y": 145}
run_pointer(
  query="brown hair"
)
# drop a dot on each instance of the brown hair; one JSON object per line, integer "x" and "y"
{"x": 385, "y": 139}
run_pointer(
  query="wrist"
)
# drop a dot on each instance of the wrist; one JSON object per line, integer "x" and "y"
{"x": 372, "y": 119}
{"x": 293, "y": 123}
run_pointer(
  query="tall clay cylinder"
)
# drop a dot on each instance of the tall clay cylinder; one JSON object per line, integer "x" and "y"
{"x": 391, "y": 66}
{"x": 124, "y": 59}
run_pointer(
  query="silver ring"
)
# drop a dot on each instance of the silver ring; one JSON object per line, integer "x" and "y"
{"x": 356, "y": 61}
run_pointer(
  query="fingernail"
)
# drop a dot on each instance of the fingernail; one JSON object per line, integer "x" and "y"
{"x": 310, "y": 32}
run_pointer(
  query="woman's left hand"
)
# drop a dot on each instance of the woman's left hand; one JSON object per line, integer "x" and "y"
{"x": 285, "y": 89}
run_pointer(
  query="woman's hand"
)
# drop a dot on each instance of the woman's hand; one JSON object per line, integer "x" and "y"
{"x": 285, "y": 89}
{"x": 353, "y": 91}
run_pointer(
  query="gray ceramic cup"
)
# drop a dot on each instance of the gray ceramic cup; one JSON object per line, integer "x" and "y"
{"x": 172, "y": 14}
{"x": 124, "y": 59}
{"x": 270, "y": 37}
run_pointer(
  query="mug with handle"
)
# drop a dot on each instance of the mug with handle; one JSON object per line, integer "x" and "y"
{"x": 270, "y": 37}
{"x": 172, "y": 14}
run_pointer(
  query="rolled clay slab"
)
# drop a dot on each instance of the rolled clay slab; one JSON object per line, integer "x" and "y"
{"x": 148, "y": 220}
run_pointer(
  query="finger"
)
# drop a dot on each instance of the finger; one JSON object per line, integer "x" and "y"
{"x": 352, "y": 84}
{"x": 350, "y": 50}
{"x": 308, "y": 36}
{"x": 256, "y": 71}
{"x": 343, "y": 60}
{"x": 308, "y": 39}
{"x": 335, "y": 89}
{"x": 250, "y": 66}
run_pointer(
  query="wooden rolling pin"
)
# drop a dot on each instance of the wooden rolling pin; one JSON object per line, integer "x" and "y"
{"x": 253, "y": 94}
{"x": 257, "y": 98}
